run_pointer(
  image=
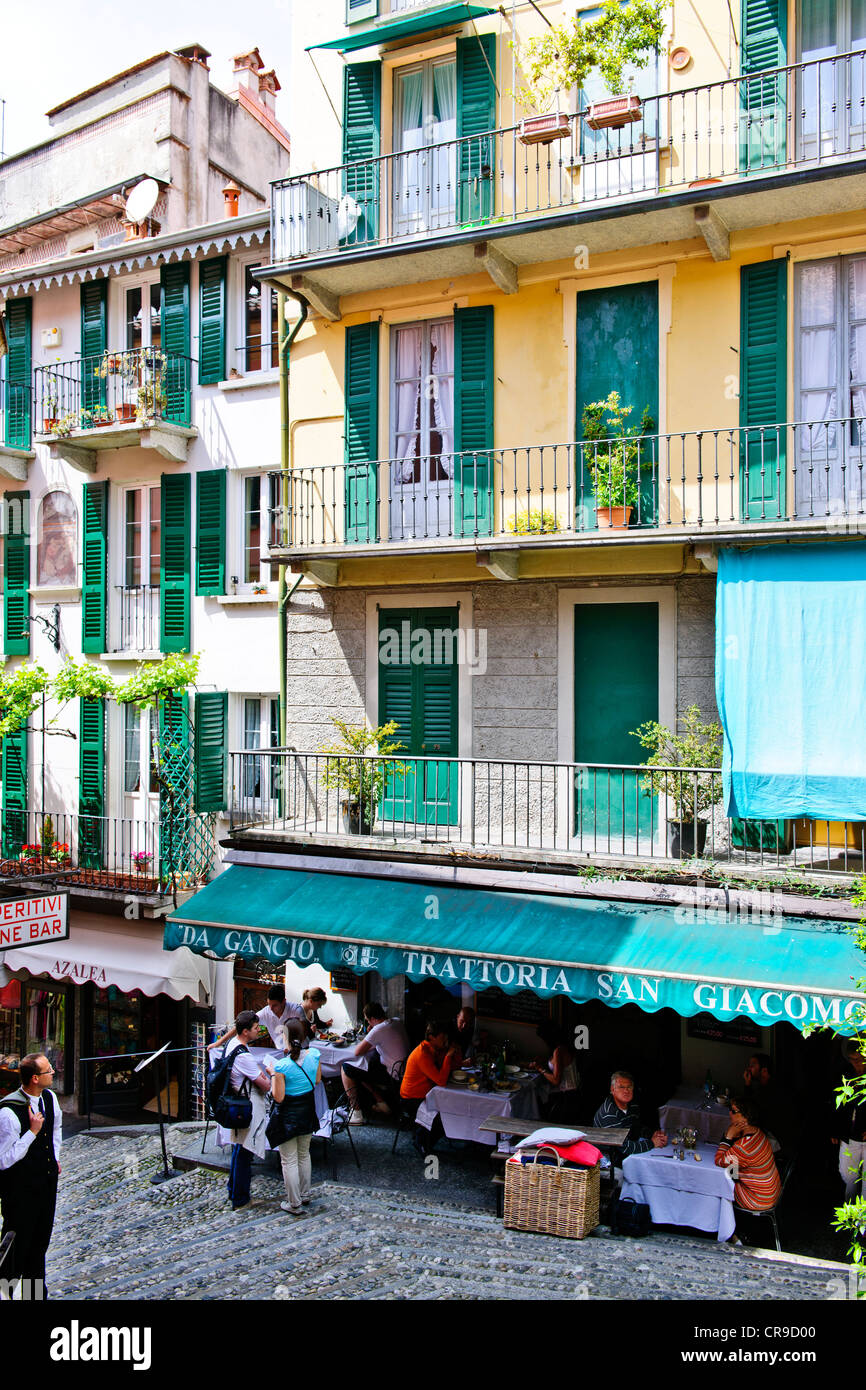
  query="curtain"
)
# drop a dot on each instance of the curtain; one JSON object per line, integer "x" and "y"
{"x": 857, "y": 336}
{"x": 408, "y": 404}
{"x": 442, "y": 404}
{"x": 818, "y": 351}
{"x": 131, "y": 750}
{"x": 444, "y": 101}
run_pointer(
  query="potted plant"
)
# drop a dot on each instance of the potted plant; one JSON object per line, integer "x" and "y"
{"x": 684, "y": 763}
{"x": 532, "y": 523}
{"x": 141, "y": 861}
{"x": 613, "y": 458}
{"x": 65, "y": 425}
{"x": 355, "y": 765}
{"x": 563, "y": 57}
{"x": 50, "y": 402}
{"x": 100, "y": 415}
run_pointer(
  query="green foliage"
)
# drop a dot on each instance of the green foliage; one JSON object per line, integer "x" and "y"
{"x": 47, "y": 836}
{"x": 698, "y": 746}
{"x": 20, "y": 693}
{"x": 353, "y": 764}
{"x": 154, "y": 681}
{"x": 81, "y": 680}
{"x": 534, "y": 523}
{"x": 614, "y": 459}
{"x": 564, "y": 55}
{"x": 851, "y": 1216}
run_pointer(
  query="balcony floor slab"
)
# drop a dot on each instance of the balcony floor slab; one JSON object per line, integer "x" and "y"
{"x": 81, "y": 447}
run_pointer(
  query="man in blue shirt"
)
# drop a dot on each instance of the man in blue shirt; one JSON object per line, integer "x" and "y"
{"x": 620, "y": 1109}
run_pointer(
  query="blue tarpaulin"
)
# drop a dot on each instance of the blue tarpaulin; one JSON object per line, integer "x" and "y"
{"x": 791, "y": 680}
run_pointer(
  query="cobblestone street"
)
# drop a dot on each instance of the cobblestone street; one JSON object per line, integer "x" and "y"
{"x": 118, "y": 1236}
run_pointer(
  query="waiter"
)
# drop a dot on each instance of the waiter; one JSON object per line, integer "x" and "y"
{"x": 30, "y": 1135}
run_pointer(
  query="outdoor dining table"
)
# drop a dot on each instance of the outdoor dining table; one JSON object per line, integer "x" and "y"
{"x": 462, "y": 1110}
{"x": 686, "y": 1107}
{"x": 333, "y": 1057}
{"x": 682, "y": 1192}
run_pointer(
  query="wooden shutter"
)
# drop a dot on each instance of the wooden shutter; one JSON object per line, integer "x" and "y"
{"x": 362, "y": 431}
{"x": 210, "y": 532}
{"x": 94, "y": 567}
{"x": 212, "y": 321}
{"x": 476, "y": 115}
{"x": 174, "y": 323}
{"x": 94, "y": 341}
{"x": 18, "y": 368}
{"x": 473, "y": 421}
{"x": 174, "y": 570}
{"x": 16, "y": 597}
{"x": 764, "y": 45}
{"x": 361, "y": 9}
{"x": 362, "y": 119}
{"x": 211, "y": 717}
{"x": 14, "y": 768}
{"x": 763, "y": 388}
{"x": 91, "y": 784}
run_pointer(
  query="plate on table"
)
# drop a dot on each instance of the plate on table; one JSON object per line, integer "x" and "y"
{"x": 507, "y": 1086}
{"x": 511, "y": 1070}
{"x": 461, "y": 1077}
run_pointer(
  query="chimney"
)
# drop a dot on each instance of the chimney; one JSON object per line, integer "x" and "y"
{"x": 232, "y": 194}
{"x": 268, "y": 88}
{"x": 246, "y": 69}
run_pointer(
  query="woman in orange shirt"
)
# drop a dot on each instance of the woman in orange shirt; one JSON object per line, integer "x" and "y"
{"x": 429, "y": 1065}
{"x": 746, "y": 1149}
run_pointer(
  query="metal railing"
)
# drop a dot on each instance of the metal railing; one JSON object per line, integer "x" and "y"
{"x": 108, "y": 852}
{"x": 139, "y": 618}
{"x": 15, "y": 413}
{"x": 791, "y": 117}
{"x": 131, "y": 386}
{"x": 622, "y": 812}
{"x": 696, "y": 480}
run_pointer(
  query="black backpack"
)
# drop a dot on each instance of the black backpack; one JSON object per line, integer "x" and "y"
{"x": 223, "y": 1105}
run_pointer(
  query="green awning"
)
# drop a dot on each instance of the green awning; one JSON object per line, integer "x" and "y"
{"x": 405, "y": 28}
{"x": 693, "y": 960}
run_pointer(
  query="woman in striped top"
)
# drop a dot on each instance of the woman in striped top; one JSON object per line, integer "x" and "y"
{"x": 746, "y": 1149}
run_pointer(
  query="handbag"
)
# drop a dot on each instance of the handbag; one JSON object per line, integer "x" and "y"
{"x": 627, "y": 1217}
{"x": 293, "y": 1115}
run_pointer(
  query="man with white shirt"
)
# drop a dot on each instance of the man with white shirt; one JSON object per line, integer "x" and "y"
{"x": 247, "y": 1078}
{"x": 273, "y": 1016}
{"x": 386, "y": 1045}
{"x": 30, "y": 1137}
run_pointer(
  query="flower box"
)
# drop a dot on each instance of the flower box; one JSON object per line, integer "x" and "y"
{"x": 543, "y": 130}
{"x": 614, "y": 113}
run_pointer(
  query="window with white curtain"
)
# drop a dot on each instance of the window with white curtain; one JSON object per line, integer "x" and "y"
{"x": 831, "y": 95}
{"x": 425, "y": 129}
{"x": 422, "y": 429}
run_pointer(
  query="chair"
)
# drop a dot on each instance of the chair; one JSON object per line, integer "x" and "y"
{"x": 405, "y": 1116}
{"x": 771, "y": 1211}
{"x": 334, "y": 1122}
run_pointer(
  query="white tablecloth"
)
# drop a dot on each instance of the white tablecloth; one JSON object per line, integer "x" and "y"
{"x": 224, "y": 1136}
{"x": 462, "y": 1111}
{"x": 334, "y": 1057}
{"x": 682, "y": 1193}
{"x": 684, "y": 1108}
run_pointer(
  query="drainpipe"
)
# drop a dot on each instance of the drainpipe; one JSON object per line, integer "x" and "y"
{"x": 284, "y": 593}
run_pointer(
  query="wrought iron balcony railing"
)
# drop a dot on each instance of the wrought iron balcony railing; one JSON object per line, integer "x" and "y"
{"x": 805, "y": 114}
{"x": 623, "y": 812}
{"x": 139, "y": 618}
{"x": 113, "y": 853}
{"x": 130, "y": 386}
{"x": 15, "y": 413}
{"x": 693, "y": 481}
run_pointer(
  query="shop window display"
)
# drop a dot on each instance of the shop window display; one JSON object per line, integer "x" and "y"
{"x": 45, "y": 1012}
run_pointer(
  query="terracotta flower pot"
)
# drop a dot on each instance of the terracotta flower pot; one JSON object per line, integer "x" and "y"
{"x": 614, "y": 113}
{"x": 613, "y": 518}
{"x": 126, "y": 413}
{"x": 543, "y": 130}
{"x": 48, "y": 423}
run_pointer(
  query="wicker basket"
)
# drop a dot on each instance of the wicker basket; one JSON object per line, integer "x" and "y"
{"x": 556, "y": 1201}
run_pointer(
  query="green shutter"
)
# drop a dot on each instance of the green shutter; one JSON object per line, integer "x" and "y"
{"x": 18, "y": 367}
{"x": 211, "y": 736}
{"x": 94, "y": 567}
{"x": 94, "y": 341}
{"x": 764, "y": 45}
{"x": 419, "y": 690}
{"x": 212, "y": 321}
{"x": 174, "y": 570}
{"x": 14, "y": 767}
{"x": 476, "y": 115}
{"x": 473, "y": 421}
{"x": 210, "y": 532}
{"x": 362, "y": 431}
{"x": 174, "y": 324}
{"x": 16, "y": 597}
{"x": 361, "y": 9}
{"x": 362, "y": 118}
{"x": 91, "y": 784}
{"x": 763, "y": 388}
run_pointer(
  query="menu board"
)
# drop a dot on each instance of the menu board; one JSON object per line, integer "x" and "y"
{"x": 342, "y": 979}
{"x": 741, "y": 1031}
{"x": 523, "y": 1007}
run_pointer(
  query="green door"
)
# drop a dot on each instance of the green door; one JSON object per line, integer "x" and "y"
{"x": 618, "y": 350}
{"x": 616, "y": 688}
{"x": 418, "y": 672}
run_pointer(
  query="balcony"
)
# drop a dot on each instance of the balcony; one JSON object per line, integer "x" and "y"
{"x": 112, "y": 855}
{"x": 567, "y": 811}
{"x": 137, "y": 397}
{"x": 138, "y": 608}
{"x": 16, "y": 449}
{"x": 714, "y": 484}
{"x": 758, "y": 147}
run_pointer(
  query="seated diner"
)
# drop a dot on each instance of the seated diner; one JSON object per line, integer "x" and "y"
{"x": 746, "y": 1149}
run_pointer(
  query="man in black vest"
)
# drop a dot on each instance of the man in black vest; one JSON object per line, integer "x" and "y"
{"x": 30, "y": 1133}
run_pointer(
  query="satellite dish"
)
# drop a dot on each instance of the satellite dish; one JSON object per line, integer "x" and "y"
{"x": 142, "y": 200}
{"x": 348, "y": 213}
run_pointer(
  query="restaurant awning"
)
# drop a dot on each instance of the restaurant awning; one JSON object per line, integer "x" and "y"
{"x": 437, "y": 17}
{"x": 691, "y": 960}
{"x": 130, "y": 961}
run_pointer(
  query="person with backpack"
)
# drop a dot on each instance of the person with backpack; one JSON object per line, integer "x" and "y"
{"x": 237, "y": 1088}
{"x": 293, "y": 1119}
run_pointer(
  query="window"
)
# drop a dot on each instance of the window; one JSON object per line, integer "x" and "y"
{"x": 261, "y": 729}
{"x": 422, "y": 428}
{"x": 832, "y": 95}
{"x": 260, "y": 349}
{"x": 622, "y": 160}
{"x": 830, "y": 314}
{"x": 140, "y": 576}
{"x": 138, "y": 771}
{"x": 143, "y": 322}
{"x": 425, "y": 130}
{"x": 58, "y": 541}
{"x": 260, "y": 517}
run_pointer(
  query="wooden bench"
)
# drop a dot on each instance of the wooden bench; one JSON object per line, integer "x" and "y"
{"x": 506, "y": 1124}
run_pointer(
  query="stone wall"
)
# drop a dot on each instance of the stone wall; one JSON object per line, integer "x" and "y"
{"x": 326, "y": 676}
{"x": 696, "y": 638}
